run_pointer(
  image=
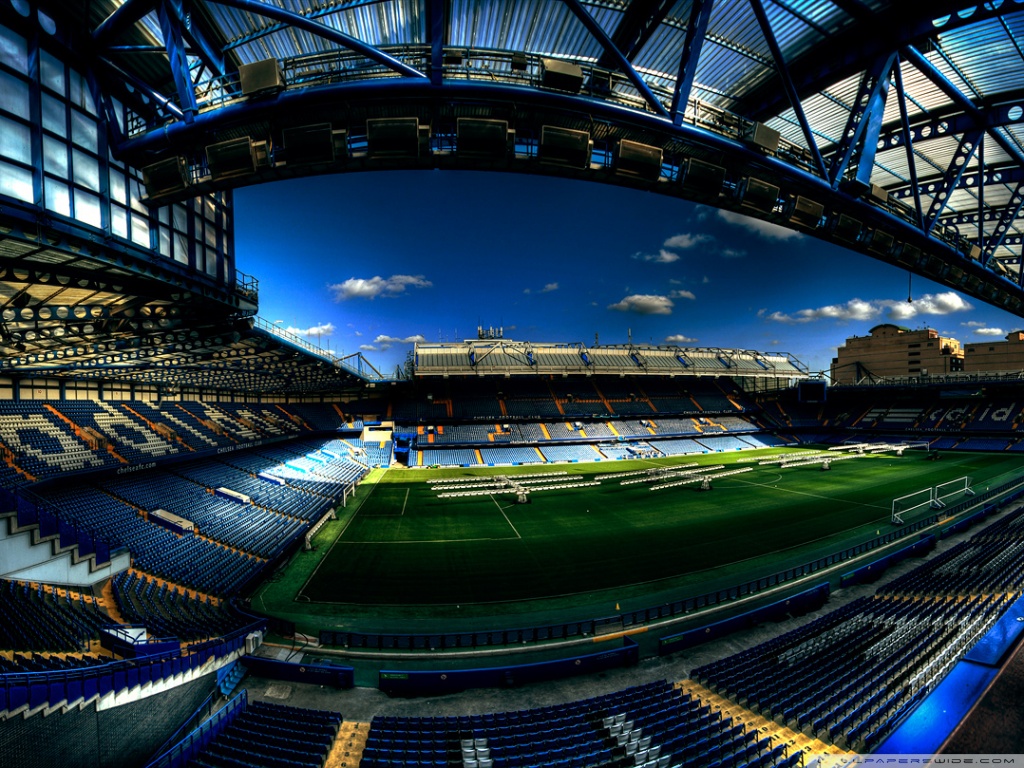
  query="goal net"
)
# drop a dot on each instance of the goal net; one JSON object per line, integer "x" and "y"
{"x": 942, "y": 495}
{"x": 951, "y": 492}
{"x": 911, "y": 504}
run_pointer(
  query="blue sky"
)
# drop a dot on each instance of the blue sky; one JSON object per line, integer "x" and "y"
{"x": 373, "y": 261}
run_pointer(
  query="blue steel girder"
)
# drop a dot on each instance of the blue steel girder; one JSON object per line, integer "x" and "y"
{"x": 639, "y": 21}
{"x": 122, "y": 18}
{"x": 864, "y": 122}
{"x": 289, "y": 18}
{"x": 142, "y": 87}
{"x": 1002, "y": 175}
{"x": 953, "y": 121}
{"x": 787, "y": 83}
{"x": 951, "y": 178}
{"x": 621, "y": 61}
{"x": 1010, "y": 213}
{"x": 195, "y": 36}
{"x": 925, "y": 67}
{"x": 437, "y": 17}
{"x": 911, "y": 158}
{"x": 309, "y": 13}
{"x": 696, "y": 30}
{"x": 170, "y": 25}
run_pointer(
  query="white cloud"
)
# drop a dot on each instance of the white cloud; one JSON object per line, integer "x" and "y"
{"x": 733, "y": 253}
{"x": 678, "y": 338}
{"x": 549, "y": 287}
{"x": 973, "y": 324}
{"x": 705, "y": 280}
{"x": 367, "y": 348}
{"x": 990, "y": 332}
{"x": 761, "y": 228}
{"x": 859, "y": 309}
{"x": 369, "y": 288}
{"x": 661, "y": 257}
{"x": 324, "y": 329}
{"x": 684, "y": 241}
{"x": 644, "y": 304}
{"x": 386, "y": 342}
{"x": 682, "y": 295}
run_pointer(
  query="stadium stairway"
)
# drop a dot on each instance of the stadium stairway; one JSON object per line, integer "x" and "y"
{"x": 779, "y": 734}
{"x": 347, "y": 750}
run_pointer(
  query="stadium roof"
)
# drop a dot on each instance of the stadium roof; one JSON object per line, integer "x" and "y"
{"x": 504, "y": 357}
{"x": 892, "y": 128}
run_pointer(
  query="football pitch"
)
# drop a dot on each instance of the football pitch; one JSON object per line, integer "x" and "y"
{"x": 403, "y": 545}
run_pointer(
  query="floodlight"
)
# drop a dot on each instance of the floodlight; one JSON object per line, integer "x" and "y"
{"x": 700, "y": 179}
{"x": 758, "y": 195}
{"x": 635, "y": 159}
{"x": 848, "y": 228}
{"x": 564, "y": 146}
{"x": 231, "y": 158}
{"x": 309, "y": 144}
{"x": 165, "y": 177}
{"x": 397, "y": 137}
{"x": 807, "y": 212}
{"x": 482, "y": 138}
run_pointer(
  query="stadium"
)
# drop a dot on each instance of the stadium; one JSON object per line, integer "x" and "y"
{"x": 225, "y": 545}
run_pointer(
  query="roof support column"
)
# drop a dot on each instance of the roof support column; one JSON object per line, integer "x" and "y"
{"x": 170, "y": 25}
{"x": 951, "y": 178}
{"x": 788, "y": 86}
{"x": 437, "y": 16}
{"x": 864, "y": 123}
{"x": 908, "y": 143}
{"x": 696, "y": 28}
{"x": 1009, "y": 214}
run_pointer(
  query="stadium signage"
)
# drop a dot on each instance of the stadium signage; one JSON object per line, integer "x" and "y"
{"x": 240, "y": 446}
{"x": 136, "y": 468}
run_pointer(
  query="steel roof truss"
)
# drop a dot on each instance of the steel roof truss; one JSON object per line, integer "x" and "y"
{"x": 299, "y": 21}
{"x": 696, "y": 30}
{"x": 162, "y": 101}
{"x": 787, "y": 84}
{"x": 621, "y": 61}
{"x": 911, "y": 159}
{"x": 170, "y": 24}
{"x": 639, "y": 21}
{"x": 437, "y": 17}
{"x": 864, "y": 122}
{"x": 951, "y": 178}
{"x": 129, "y": 13}
{"x": 1008, "y": 215}
{"x": 196, "y": 38}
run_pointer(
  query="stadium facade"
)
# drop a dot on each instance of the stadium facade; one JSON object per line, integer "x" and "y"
{"x": 135, "y": 369}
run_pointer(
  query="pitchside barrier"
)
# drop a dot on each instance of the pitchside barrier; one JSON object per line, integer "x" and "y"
{"x": 489, "y": 638}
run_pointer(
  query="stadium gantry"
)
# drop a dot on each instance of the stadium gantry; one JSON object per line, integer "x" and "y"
{"x": 165, "y": 450}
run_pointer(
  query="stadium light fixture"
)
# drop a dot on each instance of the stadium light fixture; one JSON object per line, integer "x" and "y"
{"x": 881, "y": 242}
{"x": 561, "y": 75}
{"x": 229, "y": 159}
{"x": 166, "y": 177}
{"x": 261, "y": 77}
{"x": 806, "y": 212}
{"x": 758, "y": 195}
{"x": 701, "y": 180}
{"x": 483, "y": 138}
{"x": 393, "y": 137}
{"x": 761, "y": 136}
{"x": 632, "y": 158}
{"x": 313, "y": 144}
{"x": 847, "y": 228}
{"x": 564, "y": 146}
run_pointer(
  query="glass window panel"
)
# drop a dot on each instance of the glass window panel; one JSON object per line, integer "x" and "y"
{"x": 165, "y": 242}
{"x": 118, "y": 191}
{"x": 180, "y": 218}
{"x": 13, "y": 95}
{"x": 135, "y": 194}
{"x": 55, "y": 157}
{"x": 211, "y": 235}
{"x": 55, "y": 117}
{"x": 51, "y": 73}
{"x": 58, "y": 198}
{"x": 113, "y": 161}
{"x": 84, "y": 132}
{"x": 13, "y": 50}
{"x": 15, "y": 141}
{"x": 140, "y": 230}
{"x": 211, "y": 261}
{"x": 119, "y": 221}
{"x": 80, "y": 95}
{"x": 209, "y": 209}
{"x": 180, "y": 248}
{"x": 16, "y": 182}
{"x": 119, "y": 113}
{"x": 87, "y": 209}
{"x": 163, "y": 214}
{"x": 86, "y": 170}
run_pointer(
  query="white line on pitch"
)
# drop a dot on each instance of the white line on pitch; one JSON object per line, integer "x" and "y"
{"x": 502, "y": 510}
{"x": 430, "y": 541}
{"x": 404, "y": 502}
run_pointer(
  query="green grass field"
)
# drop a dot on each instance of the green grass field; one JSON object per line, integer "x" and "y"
{"x": 404, "y": 546}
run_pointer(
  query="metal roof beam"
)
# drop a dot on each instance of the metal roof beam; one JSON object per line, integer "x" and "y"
{"x": 197, "y": 39}
{"x": 299, "y": 21}
{"x": 901, "y": 97}
{"x": 951, "y": 178}
{"x": 620, "y": 60}
{"x": 437, "y": 17}
{"x": 162, "y": 101}
{"x": 1009, "y": 214}
{"x": 129, "y": 13}
{"x": 1002, "y": 175}
{"x": 788, "y": 86}
{"x": 864, "y": 122}
{"x": 639, "y": 21}
{"x": 170, "y": 25}
{"x": 696, "y": 30}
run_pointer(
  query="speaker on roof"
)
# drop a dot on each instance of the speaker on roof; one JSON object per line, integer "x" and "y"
{"x": 453, "y": 58}
{"x": 635, "y": 159}
{"x": 484, "y": 138}
{"x": 165, "y": 177}
{"x": 758, "y": 195}
{"x": 397, "y": 137}
{"x": 518, "y": 61}
{"x": 879, "y": 194}
{"x": 807, "y": 212}
{"x": 561, "y": 75}
{"x": 308, "y": 144}
{"x": 564, "y": 146}
{"x": 701, "y": 180}
{"x": 231, "y": 158}
{"x": 261, "y": 77}
{"x": 848, "y": 228}
{"x": 763, "y": 137}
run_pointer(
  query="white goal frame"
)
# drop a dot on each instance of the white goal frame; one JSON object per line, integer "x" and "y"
{"x": 936, "y": 498}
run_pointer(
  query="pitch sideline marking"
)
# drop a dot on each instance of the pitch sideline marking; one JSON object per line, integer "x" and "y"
{"x": 502, "y": 510}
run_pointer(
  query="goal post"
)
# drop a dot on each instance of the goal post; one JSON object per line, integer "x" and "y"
{"x": 937, "y": 497}
{"x": 912, "y": 502}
